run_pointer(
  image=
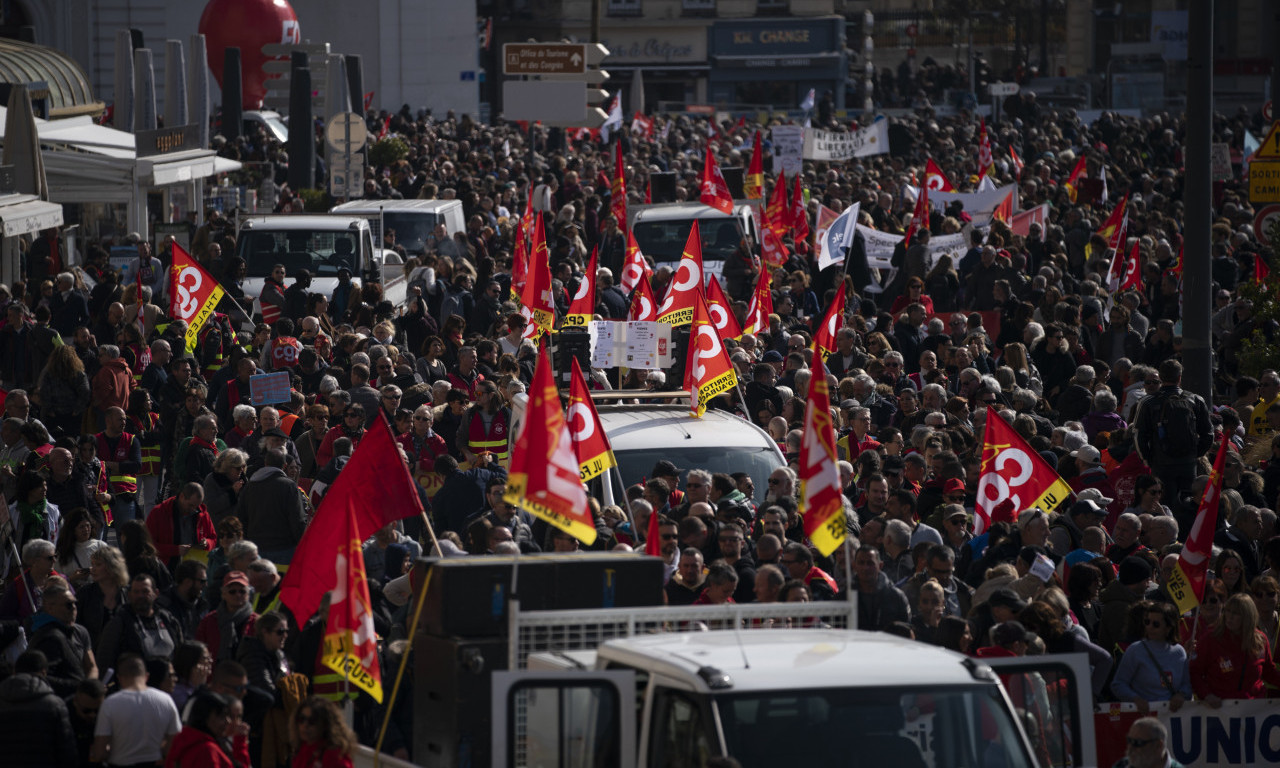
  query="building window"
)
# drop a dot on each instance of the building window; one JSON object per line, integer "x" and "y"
{"x": 623, "y": 8}
{"x": 698, "y": 7}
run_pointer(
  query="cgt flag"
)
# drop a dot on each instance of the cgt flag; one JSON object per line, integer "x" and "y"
{"x": 590, "y": 444}
{"x": 536, "y": 297}
{"x": 753, "y": 185}
{"x": 935, "y": 179}
{"x": 761, "y": 305}
{"x": 583, "y": 306}
{"x": 1012, "y": 470}
{"x": 776, "y": 212}
{"x": 677, "y": 307}
{"x": 643, "y": 307}
{"x": 1186, "y": 584}
{"x": 721, "y": 311}
{"x": 1074, "y": 179}
{"x": 618, "y": 189}
{"x": 544, "y": 471}
{"x": 820, "y": 496}
{"x": 350, "y": 641}
{"x": 636, "y": 270}
{"x": 824, "y": 341}
{"x": 919, "y": 216}
{"x": 194, "y": 294}
{"x": 707, "y": 372}
{"x": 799, "y": 216}
{"x": 715, "y": 190}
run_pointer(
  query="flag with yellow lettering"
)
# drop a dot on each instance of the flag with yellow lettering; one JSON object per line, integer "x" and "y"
{"x": 583, "y": 306}
{"x": 590, "y": 443}
{"x": 707, "y": 372}
{"x": 820, "y": 497}
{"x": 1186, "y": 583}
{"x": 350, "y": 641}
{"x": 1012, "y": 470}
{"x": 677, "y": 306}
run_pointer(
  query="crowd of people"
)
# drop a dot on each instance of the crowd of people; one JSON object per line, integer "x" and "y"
{"x": 152, "y": 508}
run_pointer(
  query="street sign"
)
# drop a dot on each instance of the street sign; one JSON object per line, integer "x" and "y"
{"x": 557, "y": 103}
{"x": 346, "y": 132}
{"x": 550, "y": 58}
{"x": 1269, "y": 149}
{"x": 1003, "y": 89}
{"x": 1262, "y": 223}
{"x": 1264, "y": 181}
{"x": 346, "y": 180}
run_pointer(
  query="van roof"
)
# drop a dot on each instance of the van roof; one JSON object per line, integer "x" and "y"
{"x": 648, "y": 426}
{"x": 793, "y": 659}
{"x": 372, "y": 206}
{"x": 312, "y": 221}
{"x": 683, "y": 212}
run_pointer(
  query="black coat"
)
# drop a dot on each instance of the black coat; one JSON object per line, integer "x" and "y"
{"x": 65, "y": 648}
{"x": 35, "y": 726}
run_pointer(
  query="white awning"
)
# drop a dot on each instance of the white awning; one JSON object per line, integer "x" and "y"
{"x": 27, "y": 214}
{"x": 176, "y": 167}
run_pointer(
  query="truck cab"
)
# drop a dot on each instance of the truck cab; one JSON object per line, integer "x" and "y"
{"x": 323, "y": 245}
{"x": 769, "y": 696}
{"x": 412, "y": 221}
{"x": 662, "y": 230}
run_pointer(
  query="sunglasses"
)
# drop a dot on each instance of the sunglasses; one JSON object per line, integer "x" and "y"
{"x": 774, "y": 481}
{"x": 1139, "y": 743}
{"x": 240, "y": 591}
{"x": 669, "y": 537}
{"x": 1153, "y": 622}
{"x": 422, "y": 418}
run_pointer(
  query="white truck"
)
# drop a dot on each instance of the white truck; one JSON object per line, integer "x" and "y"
{"x": 412, "y": 221}
{"x": 662, "y": 230}
{"x": 766, "y": 684}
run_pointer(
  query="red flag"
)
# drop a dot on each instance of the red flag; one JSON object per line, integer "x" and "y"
{"x": 820, "y": 496}
{"x": 590, "y": 444}
{"x": 368, "y": 100}
{"x": 1004, "y": 211}
{"x": 1113, "y": 228}
{"x": 1177, "y": 264}
{"x": 1017, "y": 161}
{"x": 635, "y": 270}
{"x": 1013, "y": 471}
{"x": 544, "y": 472}
{"x": 350, "y": 640}
{"x": 386, "y": 127}
{"x": 1076, "y": 173}
{"x": 1260, "y": 273}
{"x": 721, "y": 311}
{"x": 753, "y": 186}
{"x": 1186, "y": 584}
{"x": 583, "y": 306}
{"x": 194, "y": 296}
{"x": 799, "y": 216}
{"x": 376, "y": 489}
{"x": 618, "y": 194}
{"x": 536, "y": 299}
{"x": 984, "y": 149}
{"x": 648, "y": 192}
{"x": 715, "y": 191}
{"x": 777, "y": 211}
{"x": 761, "y": 305}
{"x": 707, "y": 372}
{"x": 1132, "y": 269}
{"x": 652, "y": 540}
{"x": 935, "y": 179}
{"x": 824, "y": 341}
{"x": 643, "y": 306}
{"x": 677, "y": 307}
{"x": 773, "y": 249}
{"x": 919, "y": 216}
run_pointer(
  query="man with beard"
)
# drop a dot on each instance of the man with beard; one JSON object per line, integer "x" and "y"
{"x": 487, "y": 425}
{"x": 139, "y": 627}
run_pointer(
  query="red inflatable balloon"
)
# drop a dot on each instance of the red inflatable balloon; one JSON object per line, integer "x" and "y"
{"x": 248, "y": 25}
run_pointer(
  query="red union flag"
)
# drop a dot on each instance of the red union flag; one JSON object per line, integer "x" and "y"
{"x": 708, "y": 371}
{"x": 635, "y": 270}
{"x": 643, "y": 306}
{"x": 618, "y": 190}
{"x": 1013, "y": 471}
{"x": 1114, "y": 227}
{"x": 677, "y": 307}
{"x": 753, "y": 187}
{"x": 820, "y": 495}
{"x": 715, "y": 191}
{"x": 775, "y": 251}
{"x": 1017, "y": 161}
{"x": 721, "y": 311}
{"x": 544, "y": 471}
{"x": 194, "y": 294}
{"x": 350, "y": 641}
{"x": 761, "y": 305}
{"x": 919, "y": 217}
{"x": 799, "y": 216}
{"x": 777, "y": 211}
{"x": 583, "y": 306}
{"x": 536, "y": 297}
{"x": 824, "y": 341}
{"x": 1186, "y": 585}
{"x": 590, "y": 444}
{"x": 935, "y": 179}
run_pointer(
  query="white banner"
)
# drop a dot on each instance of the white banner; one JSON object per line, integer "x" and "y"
{"x": 880, "y": 246}
{"x": 829, "y": 145}
{"x": 1243, "y": 732}
{"x": 979, "y": 205}
{"x": 788, "y": 143}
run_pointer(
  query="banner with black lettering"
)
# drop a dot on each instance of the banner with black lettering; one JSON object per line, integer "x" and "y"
{"x": 880, "y": 246}
{"x": 1243, "y": 732}
{"x": 831, "y": 145}
{"x": 979, "y": 205}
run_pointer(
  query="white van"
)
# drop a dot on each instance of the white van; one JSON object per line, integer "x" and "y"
{"x": 662, "y": 230}
{"x": 413, "y": 221}
{"x": 321, "y": 244}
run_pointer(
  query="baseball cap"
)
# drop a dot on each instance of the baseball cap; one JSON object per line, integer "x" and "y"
{"x": 1087, "y": 453}
{"x": 1010, "y": 632}
{"x": 235, "y": 577}
{"x": 1007, "y": 598}
{"x": 665, "y": 468}
{"x": 953, "y": 485}
{"x": 1086, "y": 507}
{"x": 1094, "y": 495}
{"x": 772, "y": 356}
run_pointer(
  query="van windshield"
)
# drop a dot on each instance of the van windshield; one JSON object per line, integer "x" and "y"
{"x": 323, "y": 252}
{"x": 637, "y": 465}
{"x": 904, "y": 728}
{"x": 412, "y": 229}
{"x": 663, "y": 241}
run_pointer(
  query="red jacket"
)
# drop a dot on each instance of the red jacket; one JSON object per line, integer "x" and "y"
{"x": 193, "y": 748}
{"x": 1221, "y": 668}
{"x": 324, "y": 454}
{"x": 208, "y": 633}
{"x": 160, "y": 525}
{"x": 432, "y": 448}
{"x": 318, "y": 756}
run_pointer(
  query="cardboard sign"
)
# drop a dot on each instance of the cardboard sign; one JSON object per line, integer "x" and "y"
{"x": 269, "y": 388}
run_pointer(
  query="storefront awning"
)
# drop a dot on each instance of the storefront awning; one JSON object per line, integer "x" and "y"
{"x": 176, "y": 167}
{"x": 27, "y": 214}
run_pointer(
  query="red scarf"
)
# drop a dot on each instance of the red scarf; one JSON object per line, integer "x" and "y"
{"x": 205, "y": 443}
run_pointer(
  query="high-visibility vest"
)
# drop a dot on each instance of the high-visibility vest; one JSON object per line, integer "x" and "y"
{"x": 119, "y": 483}
{"x": 138, "y": 367}
{"x": 284, "y": 353}
{"x": 287, "y": 420}
{"x": 271, "y": 312}
{"x": 329, "y": 684}
{"x": 495, "y": 439}
{"x": 150, "y": 453}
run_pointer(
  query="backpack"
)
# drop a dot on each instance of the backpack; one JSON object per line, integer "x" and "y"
{"x": 1177, "y": 426}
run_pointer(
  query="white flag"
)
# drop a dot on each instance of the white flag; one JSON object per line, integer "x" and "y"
{"x": 614, "y": 121}
{"x": 837, "y": 238}
{"x": 985, "y": 184}
{"x": 807, "y": 104}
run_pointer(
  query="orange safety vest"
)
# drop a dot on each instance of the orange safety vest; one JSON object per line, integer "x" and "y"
{"x": 496, "y": 439}
{"x": 119, "y": 483}
{"x": 287, "y": 420}
{"x": 271, "y": 312}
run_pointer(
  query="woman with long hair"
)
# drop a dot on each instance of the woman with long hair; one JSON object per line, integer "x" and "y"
{"x": 430, "y": 365}
{"x": 1233, "y": 660}
{"x": 324, "y": 739}
{"x": 77, "y": 541}
{"x": 64, "y": 391}
{"x": 914, "y": 294}
{"x": 209, "y": 739}
{"x": 1148, "y": 495}
{"x": 105, "y": 593}
{"x": 955, "y": 634}
{"x": 318, "y": 307}
{"x": 455, "y": 327}
{"x": 1015, "y": 357}
{"x": 1154, "y": 668}
{"x": 140, "y": 554}
{"x": 192, "y": 665}
{"x": 1229, "y": 568}
{"x": 929, "y": 609}
{"x": 942, "y": 284}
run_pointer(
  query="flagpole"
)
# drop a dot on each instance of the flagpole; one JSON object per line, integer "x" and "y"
{"x": 404, "y": 663}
